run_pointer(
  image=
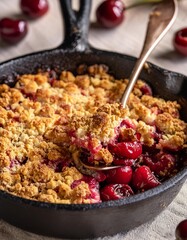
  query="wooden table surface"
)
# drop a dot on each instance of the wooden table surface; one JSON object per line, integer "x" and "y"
{"x": 47, "y": 33}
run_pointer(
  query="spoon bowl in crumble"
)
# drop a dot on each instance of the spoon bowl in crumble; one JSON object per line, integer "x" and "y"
{"x": 47, "y": 126}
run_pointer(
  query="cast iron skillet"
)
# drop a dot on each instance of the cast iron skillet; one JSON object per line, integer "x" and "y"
{"x": 101, "y": 219}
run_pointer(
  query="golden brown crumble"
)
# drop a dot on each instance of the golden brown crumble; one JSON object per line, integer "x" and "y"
{"x": 40, "y": 118}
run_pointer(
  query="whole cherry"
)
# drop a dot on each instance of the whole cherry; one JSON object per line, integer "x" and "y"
{"x": 181, "y": 230}
{"x": 162, "y": 164}
{"x": 34, "y": 8}
{"x": 115, "y": 191}
{"x": 110, "y": 13}
{"x": 180, "y": 41}
{"x": 119, "y": 175}
{"x": 144, "y": 179}
{"x": 13, "y": 31}
{"x": 131, "y": 150}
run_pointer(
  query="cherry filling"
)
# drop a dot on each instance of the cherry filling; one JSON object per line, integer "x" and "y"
{"x": 183, "y": 158}
{"x": 162, "y": 164}
{"x": 93, "y": 185}
{"x": 94, "y": 189}
{"x": 17, "y": 163}
{"x": 115, "y": 191}
{"x": 57, "y": 165}
{"x": 144, "y": 179}
{"x": 125, "y": 162}
{"x": 146, "y": 90}
{"x": 86, "y": 144}
{"x": 119, "y": 175}
{"x": 127, "y": 124}
{"x": 31, "y": 96}
{"x": 130, "y": 150}
{"x": 143, "y": 167}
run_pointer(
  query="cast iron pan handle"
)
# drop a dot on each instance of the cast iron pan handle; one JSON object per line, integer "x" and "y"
{"x": 76, "y": 25}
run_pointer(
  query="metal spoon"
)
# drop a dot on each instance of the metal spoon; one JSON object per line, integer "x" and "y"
{"x": 160, "y": 21}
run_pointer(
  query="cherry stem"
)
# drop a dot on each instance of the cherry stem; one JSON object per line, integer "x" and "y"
{"x": 141, "y": 3}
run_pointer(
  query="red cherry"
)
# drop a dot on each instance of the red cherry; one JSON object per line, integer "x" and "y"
{"x": 94, "y": 189}
{"x": 99, "y": 176}
{"x": 180, "y": 41}
{"x": 130, "y": 150}
{"x": 115, "y": 191}
{"x": 146, "y": 90}
{"x": 181, "y": 230}
{"x": 110, "y": 13}
{"x": 34, "y": 8}
{"x": 144, "y": 179}
{"x": 162, "y": 164}
{"x": 12, "y": 31}
{"x": 124, "y": 162}
{"x": 119, "y": 175}
{"x": 127, "y": 123}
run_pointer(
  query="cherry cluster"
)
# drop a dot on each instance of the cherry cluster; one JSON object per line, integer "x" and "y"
{"x": 14, "y": 30}
{"x": 110, "y": 14}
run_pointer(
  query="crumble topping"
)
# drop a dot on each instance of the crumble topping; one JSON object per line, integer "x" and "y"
{"x": 101, "y": 124}
{"x": 47, "y": 123}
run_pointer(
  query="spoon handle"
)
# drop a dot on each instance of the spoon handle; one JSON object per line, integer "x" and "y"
{"x": 160, "y": 21}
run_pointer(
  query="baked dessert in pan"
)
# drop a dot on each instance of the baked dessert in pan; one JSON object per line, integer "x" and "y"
{"x": 50, "y": 121}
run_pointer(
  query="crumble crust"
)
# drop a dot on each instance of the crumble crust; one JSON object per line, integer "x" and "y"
{"x": 44, "y": 121}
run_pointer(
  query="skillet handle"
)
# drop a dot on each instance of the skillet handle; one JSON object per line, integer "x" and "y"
{"x": 76, "y": 25}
